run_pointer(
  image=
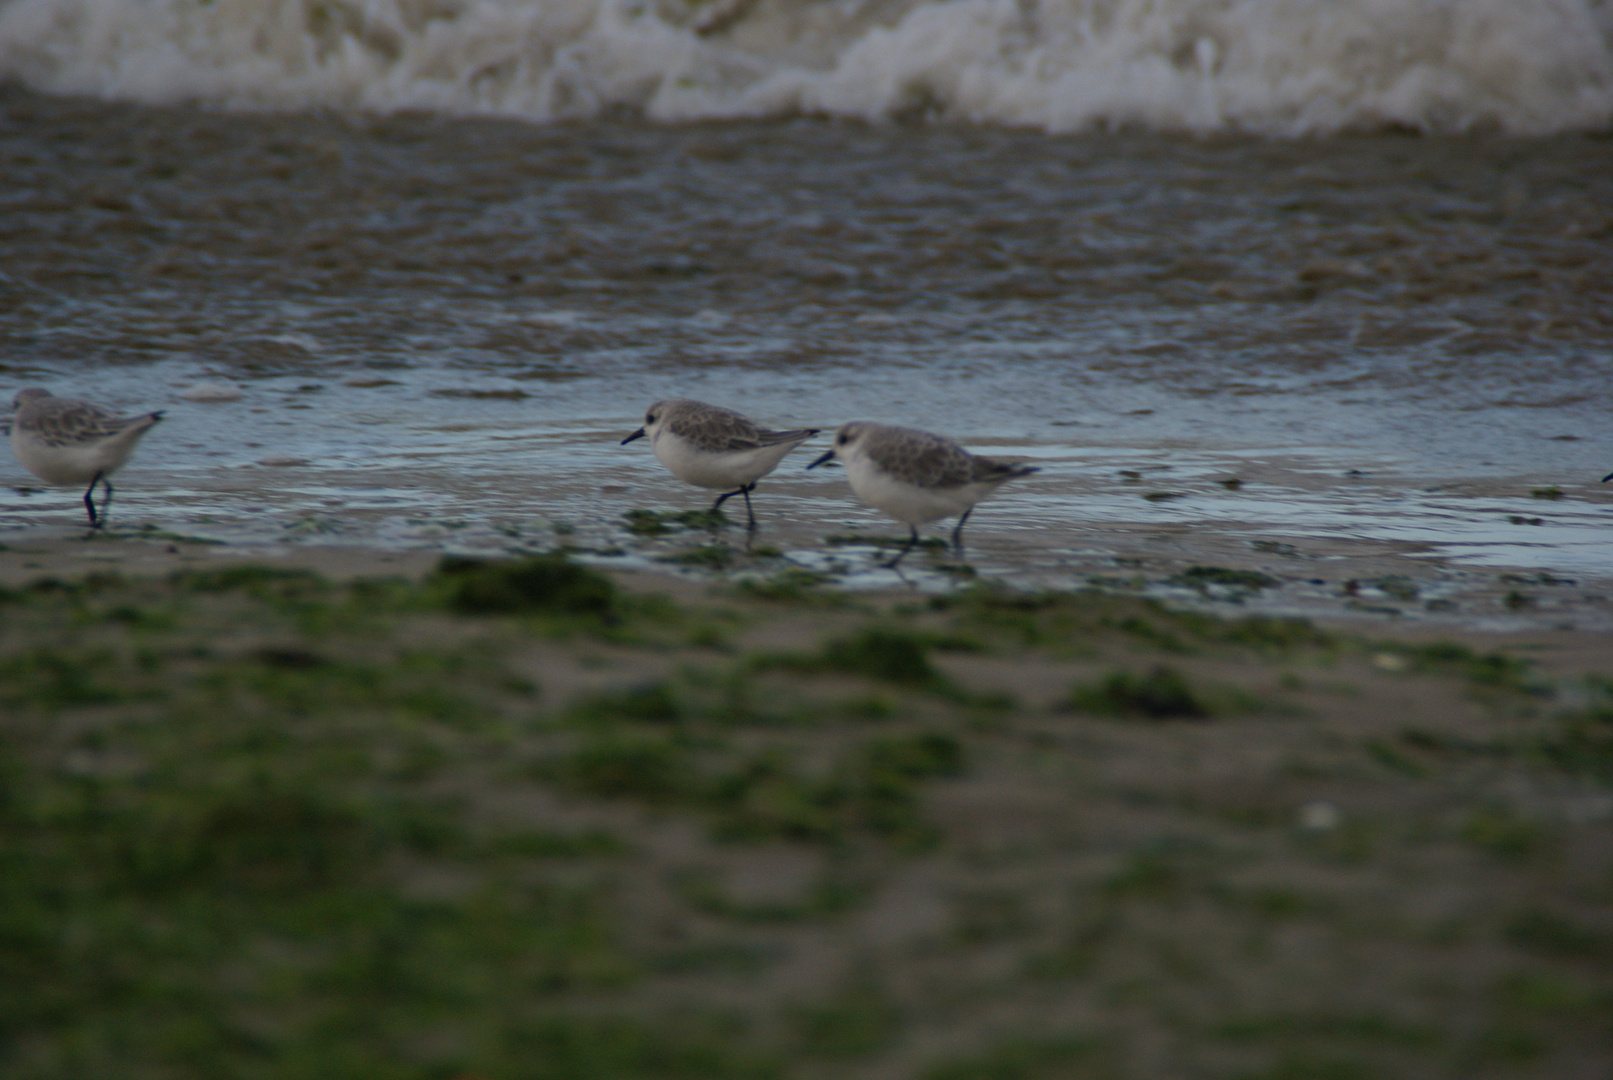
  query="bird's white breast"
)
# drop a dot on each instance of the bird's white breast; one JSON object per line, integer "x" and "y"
{"x": 909, "y": 503}
{"x": 73, "y": 463}
{"x": 718, "y": 469}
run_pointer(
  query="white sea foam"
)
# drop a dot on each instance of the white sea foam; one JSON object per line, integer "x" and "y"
{"x": 1286, "y": 67}
{"x": 212, "y": 392}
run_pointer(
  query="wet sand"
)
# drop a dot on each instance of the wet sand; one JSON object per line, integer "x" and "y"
{"x": 1217, "y": 533}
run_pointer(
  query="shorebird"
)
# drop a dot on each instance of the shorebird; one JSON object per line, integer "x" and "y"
{"x": 916, "y": 477}
{"x": 68, "y": 442}
{"x": 712, "y": 447}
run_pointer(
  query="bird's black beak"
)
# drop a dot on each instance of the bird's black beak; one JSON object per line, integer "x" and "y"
{"x": 639, "y": 434}
{"x": 828, "y": 455}
{"x": 1608, "y": 477}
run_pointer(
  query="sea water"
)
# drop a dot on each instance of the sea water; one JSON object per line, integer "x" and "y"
{"x": 1319, "y": 288}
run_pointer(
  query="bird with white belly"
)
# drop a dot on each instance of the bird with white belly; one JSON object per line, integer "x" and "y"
{"x": 712, "y": 447}
{"x": 68, "y": 442}
{"x": 916, "y": 477}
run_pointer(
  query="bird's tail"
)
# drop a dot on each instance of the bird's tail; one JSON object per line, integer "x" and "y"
{"x": 773, "y": 438}
{"x": 996, "y": 472}
{"x": 136, "y": 426}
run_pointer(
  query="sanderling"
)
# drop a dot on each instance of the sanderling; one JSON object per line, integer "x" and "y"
{"x": 63, "y": 441}
{"x": 717, "y": 448}
{"x": 916, "y": 477}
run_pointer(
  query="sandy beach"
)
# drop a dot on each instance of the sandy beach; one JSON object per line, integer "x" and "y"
{"x": 525, "y": 819}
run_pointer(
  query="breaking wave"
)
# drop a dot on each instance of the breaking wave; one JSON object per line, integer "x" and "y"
{"x": 1277, "y": 67}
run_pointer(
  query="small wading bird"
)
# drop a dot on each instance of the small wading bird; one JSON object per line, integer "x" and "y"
{"x": 716, "y": 448}
{"x": 916, "y": 477}
{"x": 67, "y": 442}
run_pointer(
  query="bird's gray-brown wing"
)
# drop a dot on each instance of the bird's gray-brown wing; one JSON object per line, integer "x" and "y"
{"x": 921, "y": 458}
{"x": 716, "y": 429}
{"x": 65, "y": 422}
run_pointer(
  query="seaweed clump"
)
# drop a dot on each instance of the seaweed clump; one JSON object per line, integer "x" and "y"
{"x": 891, "y": 655}
{"x": 542, "y": 584}
{"x": 1162, "y": 694}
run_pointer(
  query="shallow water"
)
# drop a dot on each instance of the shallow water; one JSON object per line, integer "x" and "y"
{"x": 441, "y": 327}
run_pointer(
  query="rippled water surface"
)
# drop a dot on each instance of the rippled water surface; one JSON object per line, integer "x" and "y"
{"x": 1400, "y": 347}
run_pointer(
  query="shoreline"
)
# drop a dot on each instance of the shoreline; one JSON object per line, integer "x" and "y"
{"x": 1370, "y": 587}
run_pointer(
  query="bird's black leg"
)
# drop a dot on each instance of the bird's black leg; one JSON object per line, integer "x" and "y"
{"x": 743, "y": 489}
{"x": 106, "y": 503}
{"x": 912, "y": 539}
{"x": 89, "y": 501}
{"x": 957, "y": 533}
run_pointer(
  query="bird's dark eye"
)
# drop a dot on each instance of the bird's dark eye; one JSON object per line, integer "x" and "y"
{"x": 843, "y": 440}
{"x": 649, "y": 418}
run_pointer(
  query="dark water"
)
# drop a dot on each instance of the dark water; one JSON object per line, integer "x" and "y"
{"x": 440, "y": 327}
